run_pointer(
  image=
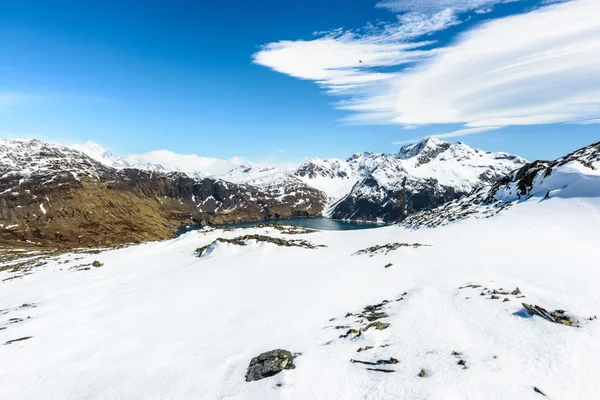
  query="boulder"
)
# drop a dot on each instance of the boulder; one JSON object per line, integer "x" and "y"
{"x": 269, "y": 364}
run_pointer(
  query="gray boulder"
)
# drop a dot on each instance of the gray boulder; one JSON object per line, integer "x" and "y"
{"x": 269, "y": 364}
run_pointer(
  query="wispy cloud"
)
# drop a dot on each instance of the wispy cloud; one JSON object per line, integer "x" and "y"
{"x": 430, "y": 6}
{"x": 538, "y": 67}
{"x": 453, "y": 134}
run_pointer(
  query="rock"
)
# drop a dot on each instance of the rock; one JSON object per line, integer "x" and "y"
{"x": 494, "y": 297}
{"x": 392, "y": 360}
{"x": 539, "y": 391}
{"x": 422, "y": 373}
{"x": 97, "y": 264}
{"x": 350, "y": 332}
{"x": 387, "y": 266}
{"x": 462, "y": 363}
{"x": 556, "y": 316}
{"x": 378, "y": 325}
{"x": 364, "y": 349}
{"x": 375, "y": 316}
{"x": 18, "y": 340}
{"x": 269, "y": 364}
{"x": 516, "y": 292}
{"x": 505, "y": 300}
{"x": 381, "y": 370}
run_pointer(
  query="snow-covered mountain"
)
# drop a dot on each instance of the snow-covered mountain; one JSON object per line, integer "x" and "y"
{"x": 387, "y": 313}
{"x": 576, "y": 175}
{"x": 366, "y": 186}
{"x": 421, "y": 176}
{"x": 55, "y": 195}
{"x": 100, "y": 154}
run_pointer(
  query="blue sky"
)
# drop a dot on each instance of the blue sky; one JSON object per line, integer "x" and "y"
{"x": 250, "y": 79}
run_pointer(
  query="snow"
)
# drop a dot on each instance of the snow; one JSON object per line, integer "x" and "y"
{"x": 42, "y": 208}
{"x": 158, "y": 322}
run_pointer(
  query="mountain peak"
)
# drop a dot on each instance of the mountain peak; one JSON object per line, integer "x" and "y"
{"x": 427, "y": 145}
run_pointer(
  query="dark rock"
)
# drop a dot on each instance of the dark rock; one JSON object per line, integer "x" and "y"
{"x": 539, "y": 391}
{"x": 516, "y": 292}
{"x": 18, "y": 340}
{"x": 364, "y": 349}
{"x": 269, "y": 364}
{"x": 422, "y": 373}
{"x": 377, "y": 325}
{"x": 505, "y": 300}
{"x": 556, "y": 316}
{"x": 381, "y": 370}
{"x": 97, "y": 264}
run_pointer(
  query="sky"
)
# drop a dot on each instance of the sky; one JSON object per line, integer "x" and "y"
{"x": 277, "y": 82}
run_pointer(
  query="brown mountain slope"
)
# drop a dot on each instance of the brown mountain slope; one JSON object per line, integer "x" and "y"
{"x": 54, "y": 196}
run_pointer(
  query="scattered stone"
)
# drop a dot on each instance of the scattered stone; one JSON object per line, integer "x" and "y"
{"x": 342, "y": 327}
{"x": 97, "y": 264}
{"x": 456, "y": 354}
{"x": 556, "y": 316}
{"x": 375, "y": 316}
{"x": 332, "y": 319}
{"x": 521, "y": 297}
{"x": 364, "y": 349}
{"x": 241, "y": 241}
{"x": 349, "y": 315}
{"x": 387, "y": 266}
{"x": 269, "y": 364}
{"x": 500, "y": 291}
{"x": 381, "y": 370}
{"x": 27, "y": 305}
{"x": 386, "y": 248}
{"x": 392, "y": 360}
{"x": 18, "y": 340}
{"x": 400, "y": 299}
{"x": 377, "y": 325}
{"x": 350, "y": 332}
{"x": 505, "y": 300}
{"x": 462, "y": 363}
{"x": 539, "y": 391}
{"x": 494, "y": 297}
{"x": 470, "y": 286}
{"x": 422, "y": 373}
{"x": 516, "y": 292}
{"x": 482, "y": 294}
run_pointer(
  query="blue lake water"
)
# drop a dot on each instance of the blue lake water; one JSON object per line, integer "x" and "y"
{"x": 318, "y": 223}
{"x": 311, "y": 223}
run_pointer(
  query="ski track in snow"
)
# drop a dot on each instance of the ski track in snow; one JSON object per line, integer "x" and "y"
{"x": 157, "y": 322}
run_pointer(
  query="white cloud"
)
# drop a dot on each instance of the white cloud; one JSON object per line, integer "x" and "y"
{"x": 430, "y": 6}
{"x": 535, "y": 68}
{"x": 189, "y": 163}
{"x": 457, "y": 133}
{"x": 589, "y": 121}
{"x": 343, "y": 62}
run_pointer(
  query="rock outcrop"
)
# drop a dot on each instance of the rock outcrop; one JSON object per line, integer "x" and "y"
{"x": 269, "y": 364}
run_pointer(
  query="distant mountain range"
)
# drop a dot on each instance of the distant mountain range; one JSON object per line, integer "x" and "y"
{"x": 86, "y": 195}
{"x": 366, "y": 186}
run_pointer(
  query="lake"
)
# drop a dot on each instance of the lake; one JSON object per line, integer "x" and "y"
{"x": 311, "y": 223}
{"x": 325, "y": 224}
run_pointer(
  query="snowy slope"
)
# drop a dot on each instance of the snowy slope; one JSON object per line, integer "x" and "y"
{"x": 575, "y": 175}
{"x": 157, "y": 322}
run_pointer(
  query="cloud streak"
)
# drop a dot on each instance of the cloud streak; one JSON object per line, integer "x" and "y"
{"x": 539, "y": 67}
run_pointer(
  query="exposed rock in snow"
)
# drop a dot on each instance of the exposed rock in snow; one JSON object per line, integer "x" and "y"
{"x": 269, "y": 364}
